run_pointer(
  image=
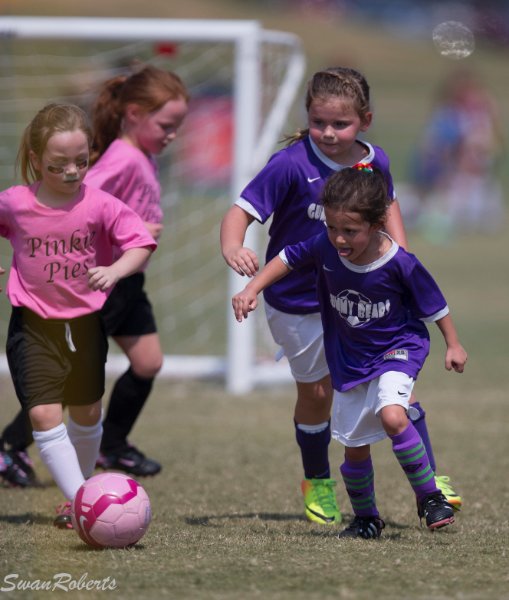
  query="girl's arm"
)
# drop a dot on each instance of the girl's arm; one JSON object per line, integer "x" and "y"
{"x": 233, "y": 230}
{"x": 155, "y": 229}
{"x": 247, "y": 300}
{"x": 394, "y": 224}
{"x": 102, "y": 278}
{"x": 455, "y": 355}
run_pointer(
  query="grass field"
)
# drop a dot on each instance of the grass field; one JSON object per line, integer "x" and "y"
{"x": 228, "y": 519}
{"x": 227, "y": 512}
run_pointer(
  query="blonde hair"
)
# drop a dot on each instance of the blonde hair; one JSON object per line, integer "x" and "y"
{"x": 150, "y": 88}
{"x": 53, "y": 118}
{"x": 339, "y": 82}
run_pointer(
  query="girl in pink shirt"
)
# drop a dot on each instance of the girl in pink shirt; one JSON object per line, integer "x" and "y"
{"x": 134, "y": 119}
{"x": 64, "y": 235}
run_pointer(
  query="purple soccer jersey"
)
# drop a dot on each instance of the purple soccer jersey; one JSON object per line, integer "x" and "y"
{"x": 288, "y": 188}
{"x": 372, "y": 315}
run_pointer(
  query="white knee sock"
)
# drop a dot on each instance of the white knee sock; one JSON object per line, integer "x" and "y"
{"x": 60, "y": 458}
{"x": 86, "y": 440}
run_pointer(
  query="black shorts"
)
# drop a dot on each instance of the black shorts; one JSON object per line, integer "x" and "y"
{"x": 127, "y": 310}
{"x": 56, "y": 360}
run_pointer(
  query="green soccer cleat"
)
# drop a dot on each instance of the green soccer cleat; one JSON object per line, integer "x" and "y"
{"x": 320, "y": 501}
{"x": 442, "y": 483}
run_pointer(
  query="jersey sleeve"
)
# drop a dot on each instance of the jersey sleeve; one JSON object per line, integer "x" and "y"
{"x": 125, "y": 228}
{"x": 269, "y": 187}
{"x": 303, "y": 254}
{"x": 382, "y": 162}
{"x": 4, "y": 214}
{"x": 424, "y": 298}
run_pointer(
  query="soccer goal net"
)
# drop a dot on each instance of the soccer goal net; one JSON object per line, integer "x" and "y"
{"x": 243, "y": 81}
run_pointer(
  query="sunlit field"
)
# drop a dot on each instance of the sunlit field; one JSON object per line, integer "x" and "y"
{"x": 228, "y": 519}
{"x": 227, "y": 511}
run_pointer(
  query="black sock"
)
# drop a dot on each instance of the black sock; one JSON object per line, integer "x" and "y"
{"x": 18, "y": 434}
{"x": 127, "y": 400}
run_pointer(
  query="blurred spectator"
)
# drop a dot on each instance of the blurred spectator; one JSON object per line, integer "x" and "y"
{"x": 455, "y": 164}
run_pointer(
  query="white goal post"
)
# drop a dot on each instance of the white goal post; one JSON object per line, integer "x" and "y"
{"x": 265, "y": 76}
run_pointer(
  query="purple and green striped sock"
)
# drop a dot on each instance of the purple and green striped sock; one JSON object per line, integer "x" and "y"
{"x": 359, "y": 482}
{"x": 411, "y": 454}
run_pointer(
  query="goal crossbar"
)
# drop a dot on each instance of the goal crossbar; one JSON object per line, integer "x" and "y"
{"x": 252, "y": 142}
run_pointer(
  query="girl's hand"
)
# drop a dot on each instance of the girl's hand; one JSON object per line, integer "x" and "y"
{"x": 455, "y": 358}
{"x": 102, "y": 278}
{"x": 243, "y": 261}
{"x": 243, "y": 303}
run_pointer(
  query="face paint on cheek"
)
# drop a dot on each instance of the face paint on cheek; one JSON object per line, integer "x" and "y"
{"x": 55, "y": 170}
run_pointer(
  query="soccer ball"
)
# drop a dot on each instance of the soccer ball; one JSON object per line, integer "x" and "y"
{"x": 111, "y": 510}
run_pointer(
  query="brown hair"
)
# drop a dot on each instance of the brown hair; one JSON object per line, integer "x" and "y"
{"x": 340, "y": 82}
{"x": 53, "y": 118}
{"x": 358, "y": 190}
{"x": 150, "y": 88}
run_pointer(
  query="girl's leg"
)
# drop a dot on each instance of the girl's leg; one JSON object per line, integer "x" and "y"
{"x": 132, "y": 389}
{"x": 301, "y": 340}
{"x": 18, "y": 433}
{"x": 418, "y": 417}
{"x": 358, "y": 475}
{"x": 313, "y": 434}
{"x": 55, "y": 448}
{"x": 14, "y": 441}
{"x": 312, "y": 426}
{"x": 85, "y": 431}
{"x": 409, "y": 450}
{"x": 411, "y": 454}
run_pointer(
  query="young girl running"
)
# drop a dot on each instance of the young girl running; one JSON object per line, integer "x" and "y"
{"x": 375, "y": 299}
{"x": 63, "y": 234}
{"x": 288, "y": 188}
{"x": 134, "y": 119}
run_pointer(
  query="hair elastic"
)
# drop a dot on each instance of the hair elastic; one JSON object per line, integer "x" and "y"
{"x": 366, "y": 167}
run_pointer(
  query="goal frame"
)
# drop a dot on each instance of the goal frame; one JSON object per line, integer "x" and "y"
{"x": 251, "y": 148}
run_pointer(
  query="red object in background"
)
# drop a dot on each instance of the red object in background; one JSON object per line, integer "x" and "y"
{"x": 166, "y": 48}
{"x": 207, "y": 136}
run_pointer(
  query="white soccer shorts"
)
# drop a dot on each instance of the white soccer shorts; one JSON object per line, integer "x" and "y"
{"x": 301, "y": 341}
{"x": 355, "y": 413}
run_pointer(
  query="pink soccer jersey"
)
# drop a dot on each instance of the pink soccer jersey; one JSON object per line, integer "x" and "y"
{"x": 53, "y": 248}
{"x": 130, "y": 175}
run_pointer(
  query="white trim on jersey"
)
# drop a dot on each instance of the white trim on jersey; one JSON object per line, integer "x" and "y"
{"x": 247, "y": 207}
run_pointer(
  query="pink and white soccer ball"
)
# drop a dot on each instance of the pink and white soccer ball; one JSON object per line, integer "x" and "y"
{"x": 111, "y": 510}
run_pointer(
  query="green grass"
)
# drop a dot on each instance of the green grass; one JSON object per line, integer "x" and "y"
{"x": 228, "y": 519}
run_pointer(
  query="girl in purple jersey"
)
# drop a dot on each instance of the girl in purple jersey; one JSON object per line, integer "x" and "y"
{"x": 374, "y": 300}
{"x": 63, "y": 234}
{"x": 288, "y": 188}
{"x": 135, "y": 117}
